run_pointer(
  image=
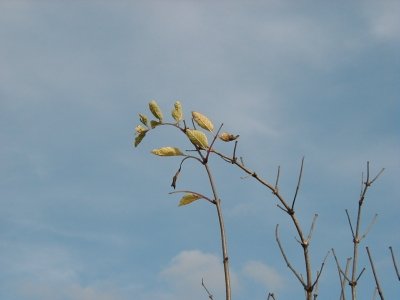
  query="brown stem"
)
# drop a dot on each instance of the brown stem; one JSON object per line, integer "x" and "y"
{"x": 222, "y": 234}
{"x": 380, "y": 292}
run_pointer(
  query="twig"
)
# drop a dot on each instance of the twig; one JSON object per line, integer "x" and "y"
{"x": 210, "y": 296}
{"x": 351, "y": 227}
{"x": 320, "y": 270}
{"x": 342, "y": 280}
{"x": 380, "y": 292}
{"x": 271, "y": 296}
{"x": 312, "y": 228}
{"x": 394, "y": 263}
{"x": 369, "y": 226}
{"x": 298, "y": 183}
{"x": 286, "y": 259}
{"x": 276, "y": 190}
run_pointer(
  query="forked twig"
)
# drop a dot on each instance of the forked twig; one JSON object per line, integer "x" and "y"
{"x": 271, "y": 296}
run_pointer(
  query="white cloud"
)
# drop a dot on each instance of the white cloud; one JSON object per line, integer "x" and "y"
{"x": 384, "y": 20}
{"x": 264, "y": 274}
{"x": 188, "y": 268}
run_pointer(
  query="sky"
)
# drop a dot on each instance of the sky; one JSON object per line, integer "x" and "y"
{"x": 85, "y": 215}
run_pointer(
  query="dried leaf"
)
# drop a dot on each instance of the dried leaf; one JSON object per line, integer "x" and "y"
{"x": 155, "y": 110}
{"x": 188, "y": 198}
{"x": 175, "y": 178}
{"x": 144, "y": 120}
{"x": 198, "y": 138}
{"x": 177, "y": 112}
{"x": 228, "y": 137}
{"x": 167, "y": 151}
{"x": 202, "y": 121}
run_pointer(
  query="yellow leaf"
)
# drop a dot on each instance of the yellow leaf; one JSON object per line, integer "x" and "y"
{"x": 144, "y": 119}
{"x": 167, "y": 151}
{"x": 189, "y": 198}
{"x": 155, "y": 110}
{"x": 198, "y": 138}
{"x": 177, "y": 112}
{"x": 140, "y": 129}
{"x": 228, "y": 137}
{"x": 202, "y": 121}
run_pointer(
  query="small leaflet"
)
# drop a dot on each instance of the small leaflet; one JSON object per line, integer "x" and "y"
{"x": 188, "y": 198}
{"x": 167, "y": 151}
{"x": 155, "y": 110}
{"x": 177, "y": 112}
{"x": 202, "y": 121}
{"x": 198, "y": 138}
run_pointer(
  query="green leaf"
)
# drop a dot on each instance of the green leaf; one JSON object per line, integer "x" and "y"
{"x": 198, "y": 138}
{"x": 177, "y": 112}
{"x": 188, "y": 198}
{"x": 154, "y": 124}
{"x": 139, "y": 138}
{"x": 202, "y": 121}
{"x": 167, "y": 151}
{"x": 155, "y": 110}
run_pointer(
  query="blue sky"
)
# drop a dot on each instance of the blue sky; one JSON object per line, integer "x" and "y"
{"x": 84, "y": 215}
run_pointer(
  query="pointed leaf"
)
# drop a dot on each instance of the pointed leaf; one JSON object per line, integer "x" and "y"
{"x": 175, "y": 178}
{"x": 188, "y": 198}
{"x": 228, "y": 137}
{"x": 155, "y": 110}
{"x": 198, "y": 138}
{"x": 177, "y": 112}
{"x": 139, "y": 138}
{"x": 144, "y": 120}
{"x": 167, "y": 151}
{"x": 202, "y": 121}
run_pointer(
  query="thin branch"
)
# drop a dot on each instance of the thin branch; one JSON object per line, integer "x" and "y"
{"x": 369, "y": 226}
{"x": 320, "y": 270}
{"x": 298, "y": 182}
{"x": 210, "y": 296}
{"x": 312, "y": 228}
{"x": 286, "y": 259}
{"x": 271, "y": 296}
{"x": 376, "y": 177}
{"x": 394, "y": 263}
{"x": 212, "y": 143}
{"x": 234, "y": 158}
{"x": 277, "y": 180}
{"x": 380, "y": 292}
{"x": 359, "y": 276}
{"x": 351, "y": 226}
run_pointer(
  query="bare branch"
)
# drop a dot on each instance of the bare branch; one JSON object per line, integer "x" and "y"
{"x": 212, "y": 143}
{"x": 359, "y": 276}
{"x": 312, "y": 228}
{"x": 277, "y": 180}
{"x": 271, "y": 296}
{"x": 376, "y": 177}
{"x": 320, "y": 270}
{"x": 234, "y": 158}
{"x": 351, "y": 226}
{"x": 210, "y": 296}
{"x": 369, "y": 227}
{"x": 380, "y": 292}
{"x": 298, "y": 183}
{"x": 286, "y": 259}
{"x": 394, "y": 262}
